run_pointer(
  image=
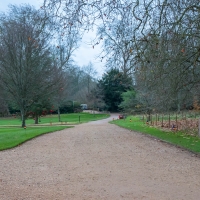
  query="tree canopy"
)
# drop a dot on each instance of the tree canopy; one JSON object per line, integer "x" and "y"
{"x": 111, "y": 86}
{"x": 151, "y": 46}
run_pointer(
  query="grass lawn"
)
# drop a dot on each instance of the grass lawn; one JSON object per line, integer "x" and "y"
{"x": 75, "y": 117}
{"x": 12, "y": 137}
{"x": 191, "y": 143}
{"x": 69, "y": 118}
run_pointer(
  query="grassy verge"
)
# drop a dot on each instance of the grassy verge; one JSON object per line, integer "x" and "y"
{"x": 189, "y": 142}
{"x": 73, "y": 118}
{"x": 12, "y": 137}
{"x": 78, "y": 117}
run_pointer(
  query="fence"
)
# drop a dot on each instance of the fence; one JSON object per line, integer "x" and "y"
{"x": 188, "y": 122}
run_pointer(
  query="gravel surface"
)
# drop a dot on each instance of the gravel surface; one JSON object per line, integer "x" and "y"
{"x": 97, "y": 161}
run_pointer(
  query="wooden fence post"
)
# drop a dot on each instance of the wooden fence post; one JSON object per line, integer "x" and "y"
{"x": 156, "y": 119}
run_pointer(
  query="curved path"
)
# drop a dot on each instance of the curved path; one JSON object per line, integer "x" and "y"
{"x": 98, "y": 161}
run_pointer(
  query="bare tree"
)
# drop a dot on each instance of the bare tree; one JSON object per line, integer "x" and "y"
{"x": 89, "y": 75}
{"x": 25, "y": 61}
{"x": 158, "y": 39}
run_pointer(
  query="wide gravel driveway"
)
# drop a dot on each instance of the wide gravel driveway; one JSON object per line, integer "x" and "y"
{"x": 97, "y": 161}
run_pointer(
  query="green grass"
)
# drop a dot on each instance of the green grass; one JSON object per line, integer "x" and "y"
{"x": 12, "y": 137}
{"x": 74, "y": 117}
{"x": 189, "y": 142}
{"x": 69, "y": 118}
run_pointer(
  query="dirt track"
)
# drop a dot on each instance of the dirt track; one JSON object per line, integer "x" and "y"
{"x": 97, "y": 161}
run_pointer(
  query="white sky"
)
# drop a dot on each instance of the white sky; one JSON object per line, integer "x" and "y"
{"x": 84, "y": 54}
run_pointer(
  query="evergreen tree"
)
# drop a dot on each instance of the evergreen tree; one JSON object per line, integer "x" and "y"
{"x": 111, "y": 86}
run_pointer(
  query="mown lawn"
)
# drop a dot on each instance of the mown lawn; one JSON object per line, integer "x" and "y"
{"x": 181, "y": 139}
{"x": 73, "y": 118}
{"x": 13, "y": 136}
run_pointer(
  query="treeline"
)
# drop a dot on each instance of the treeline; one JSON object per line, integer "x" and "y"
{"x": 151, "y": 50}
{"x": 37, "y": 72}
{"x": 156, "y": 43}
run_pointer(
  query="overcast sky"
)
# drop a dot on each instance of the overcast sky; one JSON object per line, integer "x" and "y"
{"x": 84, "y": 54}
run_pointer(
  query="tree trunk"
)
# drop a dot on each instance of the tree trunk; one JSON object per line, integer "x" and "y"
{"x": 59, "y": 114}
{"x": 178, "y": 108}
{"x": 148, "y": 116}
{"x": 23, "y": 118}
{"x": 199, "y": 127}
{"x": 36, "y": 119}
{"x": 169, "y": 121}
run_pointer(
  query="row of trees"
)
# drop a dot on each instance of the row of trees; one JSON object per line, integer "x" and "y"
{"x": 156, "y": 43}
{"x": 37, "y": 73}
{"x": 151, "y": 50}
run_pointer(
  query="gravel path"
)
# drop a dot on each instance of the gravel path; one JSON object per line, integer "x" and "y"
{"x": 98, "y": 161}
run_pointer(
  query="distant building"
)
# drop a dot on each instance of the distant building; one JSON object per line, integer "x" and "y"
{"x": 84, "y": 106}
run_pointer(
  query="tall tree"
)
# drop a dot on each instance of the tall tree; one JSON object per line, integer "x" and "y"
{"x": 25, "y": 61}
{"x": 112, "y": 85}
{"x": 162, "y": 36}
